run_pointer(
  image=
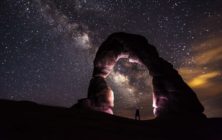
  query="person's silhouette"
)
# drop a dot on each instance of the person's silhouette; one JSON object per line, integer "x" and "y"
{"x": 137, "y": 114}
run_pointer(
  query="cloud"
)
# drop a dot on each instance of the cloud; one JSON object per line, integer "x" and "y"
{"x": 203, "y": 79}
{"x": 203, "y": 72}
{"x": 208, "y": 52}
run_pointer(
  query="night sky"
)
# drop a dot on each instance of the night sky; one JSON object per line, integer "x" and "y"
{"x": 47, "y": 49}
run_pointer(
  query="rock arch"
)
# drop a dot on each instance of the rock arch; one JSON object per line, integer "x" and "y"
{"x": 171, "y": 95}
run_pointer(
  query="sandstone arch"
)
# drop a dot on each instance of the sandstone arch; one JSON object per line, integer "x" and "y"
{"x": 171, "y": 96}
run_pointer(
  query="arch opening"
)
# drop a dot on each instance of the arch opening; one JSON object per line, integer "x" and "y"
{"x": 132, "y": 87}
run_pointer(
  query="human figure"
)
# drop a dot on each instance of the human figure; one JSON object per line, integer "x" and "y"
{"x": 137, "y": 114}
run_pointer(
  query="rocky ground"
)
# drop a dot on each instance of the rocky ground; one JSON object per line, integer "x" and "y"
{"x": 27, "y": 120}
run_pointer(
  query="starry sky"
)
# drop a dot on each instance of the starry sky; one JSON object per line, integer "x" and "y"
{"x": 47, "y": 49}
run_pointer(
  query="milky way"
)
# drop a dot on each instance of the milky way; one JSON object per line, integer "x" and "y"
{"x": 48, "y": 47}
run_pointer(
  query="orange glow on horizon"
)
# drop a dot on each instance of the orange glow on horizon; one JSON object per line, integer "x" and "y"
{"x": 202, "y": 79}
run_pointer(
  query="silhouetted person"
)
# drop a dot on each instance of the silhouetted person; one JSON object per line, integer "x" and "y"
{"x": 137, "y": 114}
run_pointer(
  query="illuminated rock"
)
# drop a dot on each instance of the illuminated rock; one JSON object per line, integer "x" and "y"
{"x": 171, "y": 95}
{"x": 100, "y": 96}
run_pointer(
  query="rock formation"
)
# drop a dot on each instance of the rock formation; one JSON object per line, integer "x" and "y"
{"x": 171, "y": 95}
